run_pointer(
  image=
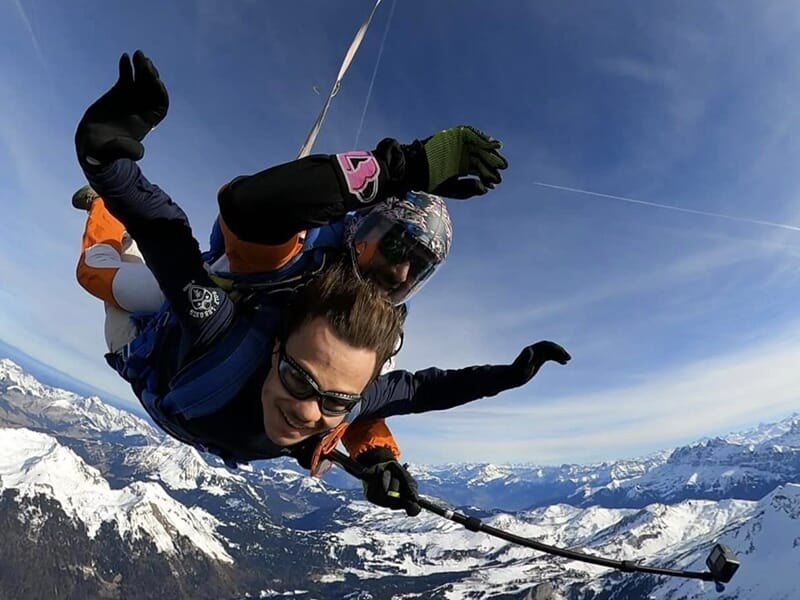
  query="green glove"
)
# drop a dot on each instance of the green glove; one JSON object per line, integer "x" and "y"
{"x": 462, "y": 162}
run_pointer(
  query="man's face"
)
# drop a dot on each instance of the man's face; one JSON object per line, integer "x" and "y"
{"x": 334, "y": 365}
{"x": 373, "y": 265}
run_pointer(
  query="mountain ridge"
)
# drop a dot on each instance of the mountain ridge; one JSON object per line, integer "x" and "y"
{"x": 266, "y": 529}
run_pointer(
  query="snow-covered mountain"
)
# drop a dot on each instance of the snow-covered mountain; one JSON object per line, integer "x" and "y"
{"x": 745, "y": 465}
{"x": 39, "y": 406}
{"x": 112, "y": 508}
{"x": 35, "y": 463}
{"x": 428, "y": 545}
{"x": 766, "y": 538}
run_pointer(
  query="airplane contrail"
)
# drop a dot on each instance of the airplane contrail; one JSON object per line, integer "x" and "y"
{"x": 669, "y": 206}
{"x": 374, "y": 74}
{"x": 27, "y": 22}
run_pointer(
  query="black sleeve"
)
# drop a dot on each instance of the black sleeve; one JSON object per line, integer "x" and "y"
{"x": 403, "y": 392}
{"x": 271, "y": 206}
{"x": 164, "y": 237}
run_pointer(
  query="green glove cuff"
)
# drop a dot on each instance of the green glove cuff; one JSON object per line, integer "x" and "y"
{"x": 443, "y": 152}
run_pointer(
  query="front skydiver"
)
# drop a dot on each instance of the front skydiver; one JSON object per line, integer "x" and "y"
{"x": 208, "y": 372}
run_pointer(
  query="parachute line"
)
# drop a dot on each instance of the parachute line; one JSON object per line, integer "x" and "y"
{"x": 669, "y": 206}
{"x": 305, "y": 149}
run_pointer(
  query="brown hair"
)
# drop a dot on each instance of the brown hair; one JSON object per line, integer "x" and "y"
{"x": 358, "y": 311}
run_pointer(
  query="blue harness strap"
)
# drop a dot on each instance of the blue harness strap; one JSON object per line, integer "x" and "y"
{"x": 206, "y": 384}
{"x": 203, "y": 386}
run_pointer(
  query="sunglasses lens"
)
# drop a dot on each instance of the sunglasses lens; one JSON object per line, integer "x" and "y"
{"x": 294, "y": 381}
{"x": 299, "y": 384}
{"x": 332, "y": 405}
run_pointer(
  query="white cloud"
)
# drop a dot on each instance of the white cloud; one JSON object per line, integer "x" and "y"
{"x": 645, "y": 72}
{"x": 706, "y": 397}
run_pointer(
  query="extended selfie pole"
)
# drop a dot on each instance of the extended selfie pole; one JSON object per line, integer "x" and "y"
{"x": 721, "y": 562}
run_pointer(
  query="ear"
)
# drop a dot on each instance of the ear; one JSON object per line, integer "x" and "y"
{"x": 275, "y": 349}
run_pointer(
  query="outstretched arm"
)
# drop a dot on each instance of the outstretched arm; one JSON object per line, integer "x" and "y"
{"x": 403, "y": 392}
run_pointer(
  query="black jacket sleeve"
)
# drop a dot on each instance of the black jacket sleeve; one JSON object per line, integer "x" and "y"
{"x": 271, "y": 206}
{"x": 164, "y": 237}
{"x": 403, "y": 392}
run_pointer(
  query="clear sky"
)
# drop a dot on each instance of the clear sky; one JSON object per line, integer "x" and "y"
{"x": 681, "y": 325}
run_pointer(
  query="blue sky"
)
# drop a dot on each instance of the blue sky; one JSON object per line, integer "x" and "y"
{"x": 680, "y": 325}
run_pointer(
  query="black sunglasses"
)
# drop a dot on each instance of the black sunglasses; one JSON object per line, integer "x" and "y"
{"x": 301, "y": 385}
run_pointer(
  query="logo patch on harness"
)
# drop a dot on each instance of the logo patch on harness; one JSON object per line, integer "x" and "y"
{"x": 203, "y": 302}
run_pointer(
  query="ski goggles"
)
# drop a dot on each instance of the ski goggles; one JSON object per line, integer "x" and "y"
{"x": 301, "y": 385}
{"x": 394, "y": 244}
{"x": 398, "y": 246}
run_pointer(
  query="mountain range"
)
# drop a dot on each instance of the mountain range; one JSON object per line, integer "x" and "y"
{"x": 97, "y": 503}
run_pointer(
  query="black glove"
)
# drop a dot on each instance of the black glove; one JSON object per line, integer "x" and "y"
{"x": 462, "y": 162}
{"x": 531, "y": 359}
{"x": 388, "y": 483}
{"x": 114, "y": 126}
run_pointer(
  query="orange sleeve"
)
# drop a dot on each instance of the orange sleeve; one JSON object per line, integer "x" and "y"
{"x": 249, "y": 257}
{"x": 367, "y": 434}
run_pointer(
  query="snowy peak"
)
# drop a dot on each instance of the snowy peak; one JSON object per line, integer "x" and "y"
{"x": 731, "y": 449}
{"x": 765, "y": 432}
{"x": 785, "y": 501}
{"x": 12, "y": 377}
{"x": 53, "y": 409}
{"x": 179, "y": 467}
{"x": 35, "y": 463}
{"x": 766, "y": 538}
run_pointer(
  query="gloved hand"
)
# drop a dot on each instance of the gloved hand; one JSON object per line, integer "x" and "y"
{"x": 114, "y": 126}
{"x": 531, "y": 359}
{"x": 458, "y": 155}
{"x": 389, "y": 484}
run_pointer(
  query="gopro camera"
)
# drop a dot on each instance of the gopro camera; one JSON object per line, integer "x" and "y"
{"x": 722, "y": 563}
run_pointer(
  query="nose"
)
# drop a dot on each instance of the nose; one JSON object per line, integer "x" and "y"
{"x": 400, "y": 272}
{"x": 307, "y": 411}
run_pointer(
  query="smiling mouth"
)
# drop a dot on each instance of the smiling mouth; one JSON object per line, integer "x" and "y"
{"x": 290, "y": 422}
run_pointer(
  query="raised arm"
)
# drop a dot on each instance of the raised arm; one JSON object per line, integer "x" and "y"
{"x": 271, "y": 206}
{"x": 108, "y": 142}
